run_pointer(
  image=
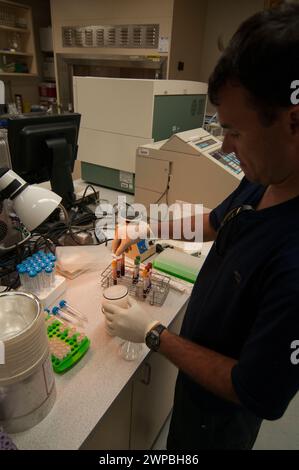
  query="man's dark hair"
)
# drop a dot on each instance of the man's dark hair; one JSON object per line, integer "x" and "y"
{"x": 263, "y": 57}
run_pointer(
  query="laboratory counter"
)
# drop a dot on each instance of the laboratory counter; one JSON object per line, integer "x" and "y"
{"x": 89, "y": 390}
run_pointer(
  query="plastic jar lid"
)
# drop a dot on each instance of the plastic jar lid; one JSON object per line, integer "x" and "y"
{"x": 115, "y": 292}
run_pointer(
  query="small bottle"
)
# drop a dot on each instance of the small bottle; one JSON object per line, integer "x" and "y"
{"x": 114, "y": 271}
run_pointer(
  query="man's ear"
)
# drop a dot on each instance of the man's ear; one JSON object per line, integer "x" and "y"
{"x": 294, "y": 119}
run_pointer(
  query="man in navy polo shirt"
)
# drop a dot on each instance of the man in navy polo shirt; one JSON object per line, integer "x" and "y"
{"x": 234, "y": 350}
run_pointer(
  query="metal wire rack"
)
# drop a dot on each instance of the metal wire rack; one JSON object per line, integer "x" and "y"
{"x": 157, "y": 293}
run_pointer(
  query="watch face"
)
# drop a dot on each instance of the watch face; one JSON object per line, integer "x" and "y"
{"x": 153, "y": 340}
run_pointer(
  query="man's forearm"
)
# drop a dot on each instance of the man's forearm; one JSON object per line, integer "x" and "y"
{"x": 206, "y": 367}
{"x": 167, "y": 229}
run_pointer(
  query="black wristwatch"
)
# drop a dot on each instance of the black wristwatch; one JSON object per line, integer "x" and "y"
{"x": 152, "y": 339}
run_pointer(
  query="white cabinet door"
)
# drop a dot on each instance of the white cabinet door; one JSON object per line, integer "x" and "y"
{"x": 113, "y": 430}
{"x": 153, "y": 391}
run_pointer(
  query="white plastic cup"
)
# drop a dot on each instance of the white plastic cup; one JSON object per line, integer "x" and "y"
{"x": 118, "y": 295}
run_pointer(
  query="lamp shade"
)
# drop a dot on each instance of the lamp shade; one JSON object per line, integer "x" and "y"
{"x": 34, "y": 204}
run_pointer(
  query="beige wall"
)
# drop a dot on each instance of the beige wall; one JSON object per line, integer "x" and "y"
{"x": 222, "y": 19}
{"x": 187, "y": 38}
{"x": 93, "y": 12}
{"x": 192, "y": 25}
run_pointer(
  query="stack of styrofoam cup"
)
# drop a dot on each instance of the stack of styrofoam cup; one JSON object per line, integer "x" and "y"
{"x": 26, "y": 377}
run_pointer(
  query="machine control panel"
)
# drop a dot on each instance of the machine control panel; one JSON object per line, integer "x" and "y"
{"x": 206, "y": 143}
{"x": 227, "y": 159}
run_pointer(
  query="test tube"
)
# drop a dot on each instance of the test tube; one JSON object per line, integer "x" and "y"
{"x": 52, "y": 266}
{"x": 21, "y": 268}
{"x": 118, "y": 266}
{"x": 33, "y": 281}
{"x": 114, "y": 271}
{"x": 136, "y": 270}
{"x": 42, "y": 275}
{"x": 145, "y": 282}
{"x": 48, "y": 276}
{"x": 72, "y": 310}
{"x": 27, "y": 277}
{"x": 149, "y": 267}
{"x": 122, "y": 267}
{"x": 57, "y": 311}
{"x": 38, "y": 270}
{"x": 51, "y": 257}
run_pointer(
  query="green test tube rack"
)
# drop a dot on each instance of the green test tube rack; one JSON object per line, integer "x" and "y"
{"x": 77, "y": 347}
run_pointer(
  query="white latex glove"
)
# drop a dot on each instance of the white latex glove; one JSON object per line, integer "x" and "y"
{"x": 127, "y": 234}
{"x": 131, "y": 324}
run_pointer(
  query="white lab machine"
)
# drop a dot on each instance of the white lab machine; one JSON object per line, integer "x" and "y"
{"x": 189, "y": 166}
{"x": 118, "y": 115}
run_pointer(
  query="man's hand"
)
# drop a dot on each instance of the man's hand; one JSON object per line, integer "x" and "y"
{"x": 121, "y": 240}
{"x": 131, "y": 324}
{"x": 128, "y": 234}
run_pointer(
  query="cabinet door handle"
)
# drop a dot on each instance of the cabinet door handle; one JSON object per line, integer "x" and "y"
{"x": 147, "y": 372}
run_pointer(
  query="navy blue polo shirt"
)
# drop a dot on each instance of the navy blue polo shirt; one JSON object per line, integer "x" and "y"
{"x": 245, "y": 304}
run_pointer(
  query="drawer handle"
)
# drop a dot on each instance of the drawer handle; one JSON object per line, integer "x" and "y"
{"x": 146, "y": 380}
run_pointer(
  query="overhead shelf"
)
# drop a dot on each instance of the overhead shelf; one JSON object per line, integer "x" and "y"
{"x": 17, "y": 48}
{"x": 17, "y": 74}
{"x": 27, "y": 54}
{"x": 13, "y": 28}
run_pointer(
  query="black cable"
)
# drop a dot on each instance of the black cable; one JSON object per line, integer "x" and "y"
{"x": 165, "y": 192}
{"x": 85, "y": 191}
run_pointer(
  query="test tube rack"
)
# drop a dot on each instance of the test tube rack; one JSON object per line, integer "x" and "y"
{"x": 157, "y": 293}
{"x": 50, "y": 294}
{"x": 67, "y": 344}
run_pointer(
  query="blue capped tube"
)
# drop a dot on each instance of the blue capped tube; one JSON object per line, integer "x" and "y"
{"x": 49, "y": 276}
{"x": 23, "y": 275}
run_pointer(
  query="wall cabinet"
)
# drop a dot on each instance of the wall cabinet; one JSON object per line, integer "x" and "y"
{"x": 17, "y": 48}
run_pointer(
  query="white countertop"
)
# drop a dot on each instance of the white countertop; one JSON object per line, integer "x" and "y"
{"x": 86, "y": 392}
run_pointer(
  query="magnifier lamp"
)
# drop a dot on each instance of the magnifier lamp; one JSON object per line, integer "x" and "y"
{"x": 32, "y": 204}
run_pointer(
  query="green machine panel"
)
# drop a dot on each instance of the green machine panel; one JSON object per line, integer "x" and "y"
{"x": 177, "y": 113}
{"x": 108, "y": 177}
